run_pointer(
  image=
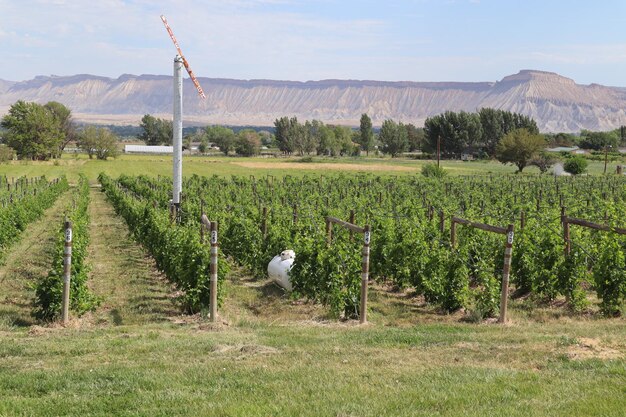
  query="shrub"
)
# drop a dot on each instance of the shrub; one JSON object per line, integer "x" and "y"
{"x": 576, "y": 165}
{"x": 543, "y": 161}
{"x": 433, "y": 171}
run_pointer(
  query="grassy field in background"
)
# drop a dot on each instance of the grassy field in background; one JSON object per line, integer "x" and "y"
{"x": 72, "y": 165}
{"x": 274, "y": 356}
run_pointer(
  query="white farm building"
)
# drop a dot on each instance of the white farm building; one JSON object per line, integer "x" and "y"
{"x": 148, "y": 149}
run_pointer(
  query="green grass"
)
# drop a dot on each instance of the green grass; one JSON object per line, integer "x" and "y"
{"x": 273, "y": 356}
{"x": 305, "y": 370}
{"x": 73, "y": 165}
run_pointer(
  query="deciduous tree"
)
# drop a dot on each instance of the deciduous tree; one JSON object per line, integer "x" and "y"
{"x": 518, "y": 147}
{"x": 156, "y": 131}
{"x": 99, "y": 142}
{"x": 248, "y": 143}
{"x": 366, "y": 134}
{"x": 33, "y": 131}
{"x": 222, "y": 137}
{"x": 393, "y": 138}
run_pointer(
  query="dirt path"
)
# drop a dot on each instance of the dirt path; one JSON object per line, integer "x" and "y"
{"x": 26, "y": 261}
{"x": 122, "y": 273}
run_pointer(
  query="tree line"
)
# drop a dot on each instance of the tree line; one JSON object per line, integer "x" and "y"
{"x": 478, "y": 132}
{"x": 294, "y": 137}
{"x": 41, "y": 132}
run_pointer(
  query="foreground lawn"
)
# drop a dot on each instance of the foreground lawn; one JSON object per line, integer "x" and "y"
{"x": 316, "y": 369}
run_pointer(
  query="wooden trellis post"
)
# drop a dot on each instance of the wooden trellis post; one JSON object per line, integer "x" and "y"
{"x": 365, "y": 262}
{"x": 365, "y": 271}
{"x": 506, "y": 272}
{"x": 264, "y": 222}
{"x": 508, "y": 249}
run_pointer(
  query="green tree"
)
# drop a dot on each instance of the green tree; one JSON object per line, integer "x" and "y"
{"x": 283, "y": 134}
{"x": 204, "y": 144}
{"x": 492, "y": 123}
{"x": 309, "y": 137}
{"x": 87, "y": 140}
{"x": 393, "y": 138}
{"x": 415, "y": 136}
{"x": 519, "y": 147}
{"x": 328, "y": 145}
{"x": 63, "y": 116}
{"x": 99, "y": 142}
{"x": 33, "y": 131}
{"x": 248, "y": 143}
{"x": 561, "y": 139}
{"x": 222, "y": 137}
{"x": 598, "y": 140}
{"x": 457, "y": 131}
{"x": 366, "y": 134}
{"x": 343, "y": 136}
{"x": 267, "y": 139}
{"x": 156, "y": 131}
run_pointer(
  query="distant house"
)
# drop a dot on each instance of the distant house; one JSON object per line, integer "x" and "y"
{"x": 148, "y": 149}
{"x": 467, "y": 156}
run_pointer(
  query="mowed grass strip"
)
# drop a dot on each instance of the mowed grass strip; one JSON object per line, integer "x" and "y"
{"x": 122, "y": 274}
{"x": 27, "y": 261}
{"x": 330, "y": 370}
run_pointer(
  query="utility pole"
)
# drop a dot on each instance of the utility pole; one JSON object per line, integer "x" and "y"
{"x": 606, "y": 156}
{"x": 438, "y": 149}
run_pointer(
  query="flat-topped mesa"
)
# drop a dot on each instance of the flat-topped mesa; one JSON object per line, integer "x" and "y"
{"x": 557, "y": 103}
{"x": 537, "y": 76}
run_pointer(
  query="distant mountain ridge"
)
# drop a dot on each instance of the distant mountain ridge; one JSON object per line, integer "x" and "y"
{"x": 557, "y": 103}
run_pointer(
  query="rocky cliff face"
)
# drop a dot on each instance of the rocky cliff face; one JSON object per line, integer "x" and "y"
{"x": 556, "y": 102}
{"x": 5, "y": 85}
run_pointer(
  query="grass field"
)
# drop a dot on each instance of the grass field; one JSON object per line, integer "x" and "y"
{"x": 72, "y": 165}
{"x": 274, "y": 356}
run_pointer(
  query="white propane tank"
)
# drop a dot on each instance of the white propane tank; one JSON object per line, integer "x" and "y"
{"x": 279, "y": 267}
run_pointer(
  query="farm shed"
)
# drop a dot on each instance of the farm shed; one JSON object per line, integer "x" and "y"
{"x": 148, "y": 149}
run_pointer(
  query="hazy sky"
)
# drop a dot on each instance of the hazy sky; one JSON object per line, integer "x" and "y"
{"x": 418, "y": 40}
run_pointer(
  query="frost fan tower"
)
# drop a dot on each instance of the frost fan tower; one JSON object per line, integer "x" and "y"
{"x": 179, "y": 61}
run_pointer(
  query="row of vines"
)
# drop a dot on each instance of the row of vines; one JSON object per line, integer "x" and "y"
{"x": 49, "y": 290}
{"x": 27, "y": 204}
{"x": 410, "y": 240}
{"x": 176, "y": 248}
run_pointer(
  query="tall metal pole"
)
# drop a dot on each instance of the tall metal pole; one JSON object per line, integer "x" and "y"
{"x": 178, "y": 131}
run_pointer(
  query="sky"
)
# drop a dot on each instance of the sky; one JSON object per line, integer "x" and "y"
{"x": 394, "y": 40}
